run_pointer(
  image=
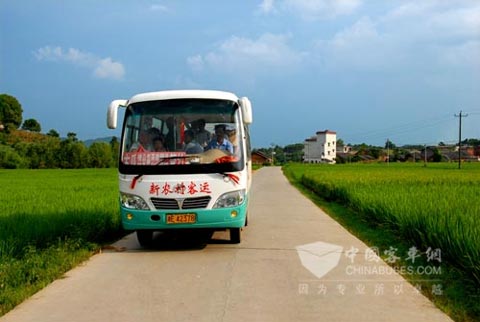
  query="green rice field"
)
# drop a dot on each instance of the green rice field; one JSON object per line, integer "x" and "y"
{"x": 436, "y": 206}
{"x": 50, "y": 220}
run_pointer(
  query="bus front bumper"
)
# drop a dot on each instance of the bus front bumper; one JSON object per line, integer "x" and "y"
{"x": 178, "y": 219}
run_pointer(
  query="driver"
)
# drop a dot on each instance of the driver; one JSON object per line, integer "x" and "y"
{"x": 220, "y": 140}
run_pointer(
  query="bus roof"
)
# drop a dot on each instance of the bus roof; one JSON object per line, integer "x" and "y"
{"x": 178, "y": 94}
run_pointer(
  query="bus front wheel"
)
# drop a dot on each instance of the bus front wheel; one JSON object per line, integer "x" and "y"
{"x": 145, "y": 237}
{"x": 235, "y": 235}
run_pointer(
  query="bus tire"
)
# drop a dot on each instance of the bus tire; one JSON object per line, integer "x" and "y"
{"x": 145, "y": 238}
{"x": 235, "y": 235}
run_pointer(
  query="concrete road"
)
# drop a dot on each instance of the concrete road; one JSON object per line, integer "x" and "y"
{"x": 295, "y": 264}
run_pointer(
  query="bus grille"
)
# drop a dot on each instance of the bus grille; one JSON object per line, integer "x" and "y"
{"x": 188, "y": 203}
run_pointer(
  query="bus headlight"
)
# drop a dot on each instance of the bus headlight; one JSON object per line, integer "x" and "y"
{"x": 133, "y": 202}
{"x": 230, "y": 199}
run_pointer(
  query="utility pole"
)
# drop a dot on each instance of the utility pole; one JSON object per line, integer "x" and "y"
{"x": 460, "y": 137}
{"x": 388, "y": 151}
{"x": 273, "y": 153}
{"x": 425, "y": 157}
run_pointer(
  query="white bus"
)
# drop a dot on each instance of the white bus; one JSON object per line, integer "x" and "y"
{"x": 185, "y": 161}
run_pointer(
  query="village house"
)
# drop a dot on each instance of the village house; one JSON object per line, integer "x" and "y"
{"x": 321, "y": 148}
{"x": 448, "y": 153}
{"x": 260, "y": 158}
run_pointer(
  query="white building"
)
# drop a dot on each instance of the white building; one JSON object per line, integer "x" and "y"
{"x": 321, "y": 148}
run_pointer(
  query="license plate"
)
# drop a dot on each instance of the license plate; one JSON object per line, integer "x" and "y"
{"x": 181, "y": 218}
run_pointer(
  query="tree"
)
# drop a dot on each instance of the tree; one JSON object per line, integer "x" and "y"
{"x": 437, "y": 156}
{"x": 50, "y": 148}
{"x": 72, "y": 137}
{"x": 115, "y": 146}
{"x": 279, "y": 155}
{"x": 472, "y": 142}
{"x": 10, "y": 159}
{"x": 375, "y": 152}
{"x": 38, "y": 150}
{"x": 390, "y": 145}
{"x": 10, "y": 112}
{"x": 73, "y": 154}
{"x": 294, "y": 152}
{"x": 100, "y": 155}
{"x": 31, "y": 125}
{"x": 53, "y": 133}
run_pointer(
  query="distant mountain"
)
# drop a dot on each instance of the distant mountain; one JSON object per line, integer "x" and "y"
{"x": 106, "y": 139}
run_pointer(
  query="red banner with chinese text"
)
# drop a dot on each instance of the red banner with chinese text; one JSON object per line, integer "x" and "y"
{"x": 154, "y": 158}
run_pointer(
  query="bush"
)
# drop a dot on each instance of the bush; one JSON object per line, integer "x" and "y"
{"x": 10, "y": 159}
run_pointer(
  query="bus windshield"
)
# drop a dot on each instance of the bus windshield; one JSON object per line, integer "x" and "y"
{"x": 182, "y": 136}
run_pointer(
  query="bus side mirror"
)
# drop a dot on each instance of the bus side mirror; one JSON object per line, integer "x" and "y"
{"x": 113, "y": 111}
{"x": 246, "y": 110}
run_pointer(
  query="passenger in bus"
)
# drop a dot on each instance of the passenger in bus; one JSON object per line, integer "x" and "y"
{"x": 220, "y": 141}
{"x": 158, "y": 144}
{"x": 170, "y": 137}
{"x": 231, "y": 132}
{"x": 145, "y": 140}
{"x": 191, "y": 146}
{"x": 202, "y": 136}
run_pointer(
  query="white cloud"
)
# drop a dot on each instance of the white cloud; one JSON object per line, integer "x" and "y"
{"x": 320, "y": 9}
{"x": 238, "y": 54}
{"x": 409, "y": 9}
{"x": 101, "y": 67}
{"x": 107, "y": 68}
{"x": 363, "y": 31}
{"x": 159, "y": 7}
{"x": 71, "y": 55}
{"x": 439, "y": 19}
{"x": 196, "y": 62}
{"x": 461, "y": 22}
{"x": 467, "y": 53}
{"x": 428, "y": 35}
{"x": 359, "y": 46}
{"x": 267, "y": 6}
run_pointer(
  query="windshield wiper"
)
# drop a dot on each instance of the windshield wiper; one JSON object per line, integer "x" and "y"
{"x": 174, "y": 157}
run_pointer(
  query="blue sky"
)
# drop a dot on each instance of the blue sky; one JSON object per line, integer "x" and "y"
{"x": 369, "y": 70}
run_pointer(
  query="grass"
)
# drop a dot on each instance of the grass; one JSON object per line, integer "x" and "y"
{"x": 50, "y": 221}
{"x": 409, "y": 205}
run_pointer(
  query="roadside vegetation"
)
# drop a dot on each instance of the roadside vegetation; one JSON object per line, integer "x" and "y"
{"x": 409, "y": 205}
{"x": 50, "y": 221}
{"x": 23, "y": 146}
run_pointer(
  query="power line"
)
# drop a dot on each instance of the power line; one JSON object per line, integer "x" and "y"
{"x": 400, "y": 129}
{"x": 409, "y": 127}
